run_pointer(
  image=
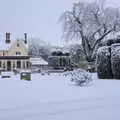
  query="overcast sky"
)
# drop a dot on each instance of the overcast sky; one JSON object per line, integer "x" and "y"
{"x": 39, "y": 18}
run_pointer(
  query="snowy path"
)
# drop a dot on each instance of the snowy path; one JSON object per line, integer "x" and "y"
{"x": 66, "y": 102}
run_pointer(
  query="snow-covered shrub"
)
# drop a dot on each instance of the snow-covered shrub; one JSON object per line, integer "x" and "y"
{"x": 104, "y": 63}
{"x": 80, "y": 77}
{"x": 115, "y": 60}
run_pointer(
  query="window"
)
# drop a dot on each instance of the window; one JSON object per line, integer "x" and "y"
{"x": 27, "y": 63}
{"x": 13, "y": 64}
{"x": 18, "y": 45}
{"x": 18, "y": 64}
{"x": 18, "y": 53}
{"x": 23, "y": 64}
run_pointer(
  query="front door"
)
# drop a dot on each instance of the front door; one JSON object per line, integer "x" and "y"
{"x": 9, "y": 65}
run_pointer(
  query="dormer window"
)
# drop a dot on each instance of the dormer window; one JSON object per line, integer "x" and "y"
{"x": 18, "y": 53}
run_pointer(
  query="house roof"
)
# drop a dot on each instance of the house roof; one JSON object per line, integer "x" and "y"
{"x": 38, "y": 61}
{"x": 4, "y": 46}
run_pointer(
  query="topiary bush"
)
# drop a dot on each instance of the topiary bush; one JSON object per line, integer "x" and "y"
{"x": 115, "y": 60}
{"x": 104, "y": 63}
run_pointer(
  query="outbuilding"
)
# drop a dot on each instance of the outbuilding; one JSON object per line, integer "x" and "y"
{"x": 38, "y": 63}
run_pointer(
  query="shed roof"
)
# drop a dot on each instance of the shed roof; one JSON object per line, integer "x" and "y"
{"x": 38, "y": 61}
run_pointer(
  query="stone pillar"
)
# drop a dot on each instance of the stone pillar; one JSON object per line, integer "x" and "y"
{"x": 15, "y": 62}
{"x": 25, "y": 64}
{"x": 21, "y": 64}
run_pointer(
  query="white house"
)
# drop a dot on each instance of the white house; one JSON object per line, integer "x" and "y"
{"x": 14, "y": 54}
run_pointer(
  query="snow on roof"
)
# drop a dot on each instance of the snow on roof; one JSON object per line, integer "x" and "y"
{"x": 4, "y": 46}
{"x": 25, "y": 70}
{"x": 26, "y": 44}
{"x": 38, "y": 61}
{"x": 113, "y": 35}
{"x": 6, "y": 73}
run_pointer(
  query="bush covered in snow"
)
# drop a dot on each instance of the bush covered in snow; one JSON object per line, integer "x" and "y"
{"x": 80, "y": 77}
{"x": 108, "y": 59}
{"x": 104, "y": 63}
{"x": 115, "y": 60}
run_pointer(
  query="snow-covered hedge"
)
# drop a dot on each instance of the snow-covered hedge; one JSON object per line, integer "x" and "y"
{"x": 104, "y": 63}
{"x": 80, "y": 77}
{"x": 115, "y": 60}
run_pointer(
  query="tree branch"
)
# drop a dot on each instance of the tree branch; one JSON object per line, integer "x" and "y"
{"x": 99, "y": 40}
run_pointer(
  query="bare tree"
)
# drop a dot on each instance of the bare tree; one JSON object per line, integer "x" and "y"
{"x": 76, "y": 53}
{"x": 38, "y": 48}
{"x": 90, "y": 23}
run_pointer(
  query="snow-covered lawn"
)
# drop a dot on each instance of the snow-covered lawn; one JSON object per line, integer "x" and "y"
{"x": 55, "y": 98}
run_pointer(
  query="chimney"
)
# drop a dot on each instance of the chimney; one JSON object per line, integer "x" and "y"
{"x": 7, "y": 38}
{"x": 25, "y": 38}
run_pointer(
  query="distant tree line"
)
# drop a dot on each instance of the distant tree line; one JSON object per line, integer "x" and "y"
{"x": 39, "y": 48}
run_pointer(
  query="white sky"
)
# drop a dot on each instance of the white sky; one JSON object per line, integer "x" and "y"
{"x": 39, "y": 18}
